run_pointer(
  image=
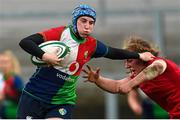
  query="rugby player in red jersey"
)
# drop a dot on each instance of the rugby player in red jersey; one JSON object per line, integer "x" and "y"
{"x": 159, "y": 78}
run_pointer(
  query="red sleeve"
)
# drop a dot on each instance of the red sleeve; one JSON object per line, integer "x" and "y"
{"x": 53, "y": 33}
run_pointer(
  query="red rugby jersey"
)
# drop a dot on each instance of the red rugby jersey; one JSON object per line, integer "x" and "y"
{"x": 165, "y": 89}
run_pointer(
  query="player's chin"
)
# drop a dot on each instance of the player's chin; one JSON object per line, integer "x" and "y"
{"x": 84, "y": 35}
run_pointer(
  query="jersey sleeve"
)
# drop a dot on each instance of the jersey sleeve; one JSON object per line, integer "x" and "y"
{"x": 53, "y": 33}
{"x": 101, "y": 50}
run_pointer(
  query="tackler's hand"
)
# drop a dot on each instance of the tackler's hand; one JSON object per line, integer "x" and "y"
{"x": 91, "y": 75}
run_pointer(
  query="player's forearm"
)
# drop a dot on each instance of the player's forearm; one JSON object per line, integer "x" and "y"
{"x": 148, "y": 73}
{"x": 107, "y": 84}
{"x": 30, "y": 45}
{"x": 134, "y": 102}
{"x": 121, "y": 54}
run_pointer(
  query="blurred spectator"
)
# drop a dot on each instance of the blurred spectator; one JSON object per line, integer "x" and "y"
{"x": 13, "y": 84}
{"x": 144, "y": 107}
{"x": 1, "y": 80}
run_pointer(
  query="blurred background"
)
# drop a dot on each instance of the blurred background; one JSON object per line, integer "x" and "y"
{"x": 156, "y": 20}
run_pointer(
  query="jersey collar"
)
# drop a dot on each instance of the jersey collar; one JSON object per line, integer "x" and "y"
{"x": 76, "y": 37}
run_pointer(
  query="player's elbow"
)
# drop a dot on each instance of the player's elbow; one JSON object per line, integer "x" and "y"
{"x": 21, "y": 43}
{"x": 116, "y": 88}
{"x": 119, "y": 90}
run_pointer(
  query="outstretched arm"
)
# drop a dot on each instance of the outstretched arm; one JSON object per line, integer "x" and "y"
{"x": 119, "y": 54}
{"x": 106, "y": 84}
{"x": 114, "y": 53}
{"x": 149, "y": 73}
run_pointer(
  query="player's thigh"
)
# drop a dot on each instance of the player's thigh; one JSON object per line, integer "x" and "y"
{"x": 29, "y": 107}
{"x": 61, "y": 111}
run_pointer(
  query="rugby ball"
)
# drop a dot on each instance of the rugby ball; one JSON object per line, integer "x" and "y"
{"x": 57, "y": 47}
